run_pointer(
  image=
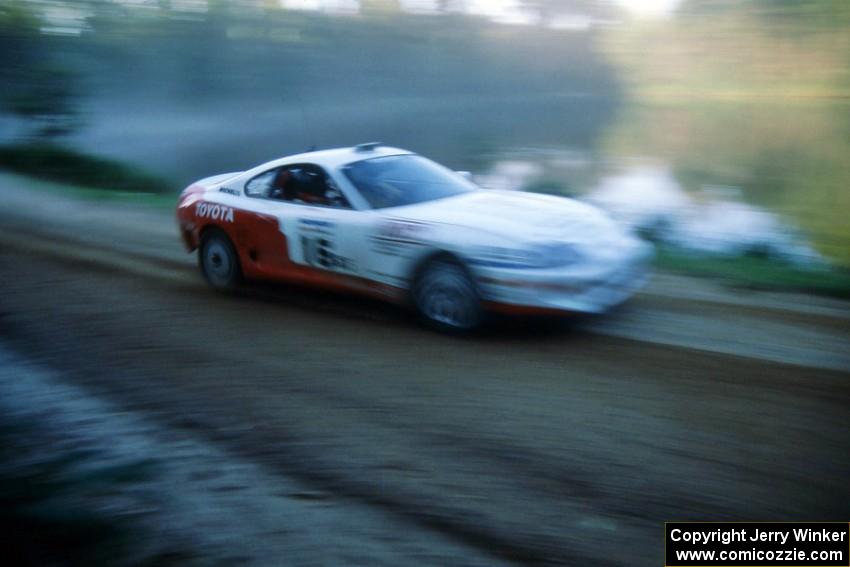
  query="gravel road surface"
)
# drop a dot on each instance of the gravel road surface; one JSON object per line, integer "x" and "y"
{"x": 534, "y": 444}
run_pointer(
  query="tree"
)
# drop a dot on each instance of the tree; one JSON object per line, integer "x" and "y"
{"x": 547, "y": 11}
{"x": 35, "y": 89}
{"x": 380, "y": 7}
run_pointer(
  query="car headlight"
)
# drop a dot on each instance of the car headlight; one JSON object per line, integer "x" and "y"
{"x": 535, "y": 256}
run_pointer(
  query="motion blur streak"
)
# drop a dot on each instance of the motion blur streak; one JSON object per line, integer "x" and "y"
{"x": 716, "y": 129}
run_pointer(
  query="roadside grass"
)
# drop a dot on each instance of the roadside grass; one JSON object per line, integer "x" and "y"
{"x": 56, "y": 163}
{"x": 48, "y": 501}
{"x": 756, "y": 272}
{"x": 154, "y": 200}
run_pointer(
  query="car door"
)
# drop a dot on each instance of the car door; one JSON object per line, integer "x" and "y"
{"x": 322, "y": 232}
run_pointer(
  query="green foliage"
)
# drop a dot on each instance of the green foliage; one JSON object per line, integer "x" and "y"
{"x": 739, "y": 49}
{"x": 790, "y": 159}
{"x": 756, "y": 272}
{"x": 750, "y": 94}
{"x": 36, "y": 87}
{"x": 60, "y": 164}
{"x": 17, "y": 17}
{"x": 778, "y": 14}
{"x": 244, "y": 53}
{"x": 45, "y": 96}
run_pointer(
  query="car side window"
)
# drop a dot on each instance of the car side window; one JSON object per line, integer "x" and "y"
{"x": 308, "y": 184}
{"x": 305, "y": 184}
{"x": 261, "y": 185}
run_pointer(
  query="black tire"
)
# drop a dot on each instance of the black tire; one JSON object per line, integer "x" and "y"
{"x": 219, "y": 261}
{"x": 446, "y": 297}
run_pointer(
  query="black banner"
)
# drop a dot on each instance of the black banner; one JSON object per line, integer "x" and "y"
{"x": 757, "y": 544}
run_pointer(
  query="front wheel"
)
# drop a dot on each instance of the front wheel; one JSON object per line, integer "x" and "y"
{"x": 446, "y": 297}
{"x": 218, "y": 261}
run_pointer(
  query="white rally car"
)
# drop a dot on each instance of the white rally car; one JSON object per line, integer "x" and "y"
{"x": 393, "y": 224}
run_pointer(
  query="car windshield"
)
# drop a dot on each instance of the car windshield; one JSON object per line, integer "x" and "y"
{"x": 393, "y": 181}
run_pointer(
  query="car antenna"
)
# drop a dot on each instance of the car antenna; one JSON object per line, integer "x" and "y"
{"x": 367, "y": 147}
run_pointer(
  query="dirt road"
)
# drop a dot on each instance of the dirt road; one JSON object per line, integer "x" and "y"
{"x": 529, "y": 444}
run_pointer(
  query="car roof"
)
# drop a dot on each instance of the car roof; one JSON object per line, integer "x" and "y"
{"x": 337, "y": 157}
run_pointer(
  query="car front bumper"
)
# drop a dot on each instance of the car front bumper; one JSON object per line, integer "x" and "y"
{"x": 589, "y": 287}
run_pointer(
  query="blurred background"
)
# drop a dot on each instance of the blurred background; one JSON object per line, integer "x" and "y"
{"x": 721, "y": 126}
{"x": 329, "y": 431}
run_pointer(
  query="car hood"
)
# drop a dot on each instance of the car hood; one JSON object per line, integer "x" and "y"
{"x": 518, "y": 215}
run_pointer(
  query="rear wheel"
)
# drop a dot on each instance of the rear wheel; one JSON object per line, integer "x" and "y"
{"x": 218, "y": 261}
{"x": 446, "y": 297}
